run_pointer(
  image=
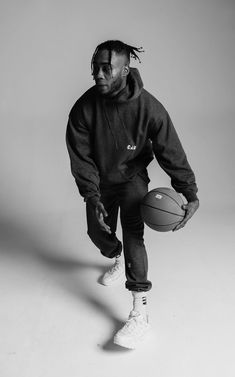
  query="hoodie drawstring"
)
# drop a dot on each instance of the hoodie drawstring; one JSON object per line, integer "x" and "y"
{"x": 124, "y": 127}
{"x": 107, "y": 119}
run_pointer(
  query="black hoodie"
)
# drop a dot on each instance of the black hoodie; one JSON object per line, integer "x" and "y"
{"x": 110, "y": 140}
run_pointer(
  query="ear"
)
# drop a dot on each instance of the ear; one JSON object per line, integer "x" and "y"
{"x": 126, "y": 70}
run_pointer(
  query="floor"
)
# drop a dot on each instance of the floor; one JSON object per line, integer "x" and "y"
{"x": 56, "y": 319}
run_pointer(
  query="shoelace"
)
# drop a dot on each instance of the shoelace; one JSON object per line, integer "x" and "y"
{"x": 134, "y": 321}
{"x": 115, "y": 267}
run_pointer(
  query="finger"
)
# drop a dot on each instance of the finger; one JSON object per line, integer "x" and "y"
{"x": 108, "y": 230}
{"x": 104, "y": 226}
{"x": 100, "y": 218}
{"x": 179, "y": 226}
{"x": 105, "y": 212}
{"x": 188, "y": 214}
{"x": 183, "y": 222}
{"x": 99, "y": 215}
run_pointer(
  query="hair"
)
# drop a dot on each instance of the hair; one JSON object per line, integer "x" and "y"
{"x": 118, "y": 47}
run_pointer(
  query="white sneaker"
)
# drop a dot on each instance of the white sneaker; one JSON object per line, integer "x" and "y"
{"x": 115, "y": 274}
{"x": 133, "y": 332}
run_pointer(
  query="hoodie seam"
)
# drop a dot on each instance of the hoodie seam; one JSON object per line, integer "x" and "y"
{"x": 110, "y": 127}
{"x": 124, "y": 126}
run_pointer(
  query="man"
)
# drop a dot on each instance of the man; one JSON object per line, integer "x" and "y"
{"x": 114, "y": 130}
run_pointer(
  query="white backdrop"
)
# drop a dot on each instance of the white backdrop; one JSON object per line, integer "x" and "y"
{"x": 55, "y": 320}
{"x": 46, "y": 47}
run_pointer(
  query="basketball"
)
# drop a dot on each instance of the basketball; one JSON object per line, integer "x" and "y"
{"x": 161, "y": 209}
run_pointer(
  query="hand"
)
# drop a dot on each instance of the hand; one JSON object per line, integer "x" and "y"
{"x": 100, "y": 214}
{"x": 190, "y": 209}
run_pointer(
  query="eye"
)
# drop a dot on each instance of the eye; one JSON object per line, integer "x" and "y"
{"x": 106, "y": 69}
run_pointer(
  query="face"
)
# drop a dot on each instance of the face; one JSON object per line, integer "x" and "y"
{"x": 110, "y": 79}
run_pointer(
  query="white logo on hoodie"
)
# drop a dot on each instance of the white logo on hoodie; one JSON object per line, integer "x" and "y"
{"x": 132, "y": 147}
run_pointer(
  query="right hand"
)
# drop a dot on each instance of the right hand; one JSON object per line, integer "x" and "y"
{"x": 101, "y": 214}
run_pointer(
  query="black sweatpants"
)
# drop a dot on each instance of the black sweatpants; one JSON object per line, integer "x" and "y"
{"x": 126, "y": 196}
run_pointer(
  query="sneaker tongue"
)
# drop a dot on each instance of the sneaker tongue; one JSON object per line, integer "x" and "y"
{"x": 134, "y": 313}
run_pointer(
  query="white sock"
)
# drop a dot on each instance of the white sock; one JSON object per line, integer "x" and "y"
{"x": 140, "y": 303}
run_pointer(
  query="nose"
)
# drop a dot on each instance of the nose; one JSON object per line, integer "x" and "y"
{"x": 99, "y": 74}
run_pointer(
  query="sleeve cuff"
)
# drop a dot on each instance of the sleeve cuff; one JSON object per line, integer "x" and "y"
{"x": 92, "y": 200}
{"x": 190, "y": 196}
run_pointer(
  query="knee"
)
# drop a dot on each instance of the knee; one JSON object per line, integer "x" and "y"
{"x": 133, "y": 225}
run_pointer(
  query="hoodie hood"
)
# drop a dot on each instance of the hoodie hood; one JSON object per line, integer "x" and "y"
{"x": 132, "y": 89}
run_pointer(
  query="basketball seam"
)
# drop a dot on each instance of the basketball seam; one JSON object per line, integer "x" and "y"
{"x": 148, "y": 222}
{"x": 163, "y": 193}
{"x": 163, "y": 210}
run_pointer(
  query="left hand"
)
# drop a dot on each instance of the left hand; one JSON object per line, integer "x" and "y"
{"x": 190, "y": 209}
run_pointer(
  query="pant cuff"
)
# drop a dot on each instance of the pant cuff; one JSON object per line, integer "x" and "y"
{"x": 139, "y": 287}
{"x": 117, "y": 251}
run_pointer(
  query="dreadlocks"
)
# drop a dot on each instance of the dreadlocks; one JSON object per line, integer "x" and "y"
{"x": 118, "y": 47}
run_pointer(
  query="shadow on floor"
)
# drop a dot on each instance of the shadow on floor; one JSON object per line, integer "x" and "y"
{"x": 108, "y": 345}
{"x": 29, "y": 245}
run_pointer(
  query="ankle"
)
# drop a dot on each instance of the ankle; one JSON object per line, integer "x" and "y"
{"x": 140, "y": 303}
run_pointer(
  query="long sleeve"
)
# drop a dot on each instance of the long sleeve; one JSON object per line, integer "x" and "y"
{"x": 83, "y": 167}
{"x": 171, "y": 156}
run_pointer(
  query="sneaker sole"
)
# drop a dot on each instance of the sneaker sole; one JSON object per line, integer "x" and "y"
{"x": 128, "y": 343}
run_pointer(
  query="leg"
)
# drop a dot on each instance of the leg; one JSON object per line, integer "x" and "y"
{"x": 137, "y": 327}
{"x": 108, "y": 244}
{"x": 135, "y": 254}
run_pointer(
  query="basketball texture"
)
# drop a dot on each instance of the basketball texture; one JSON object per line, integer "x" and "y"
{"x": 161, "y": 209}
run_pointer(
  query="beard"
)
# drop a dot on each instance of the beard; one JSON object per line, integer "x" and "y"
{"x": 113, "y": 87}
{"x": 116, "y": 86}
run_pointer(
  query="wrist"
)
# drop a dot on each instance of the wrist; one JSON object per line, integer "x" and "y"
{"x": 191, "y": 197}
{"x": 93, "y": 200}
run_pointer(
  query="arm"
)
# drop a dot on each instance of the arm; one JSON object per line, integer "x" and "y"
{"x": 172, "y": 158}
{"x": 83, "y": 167}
